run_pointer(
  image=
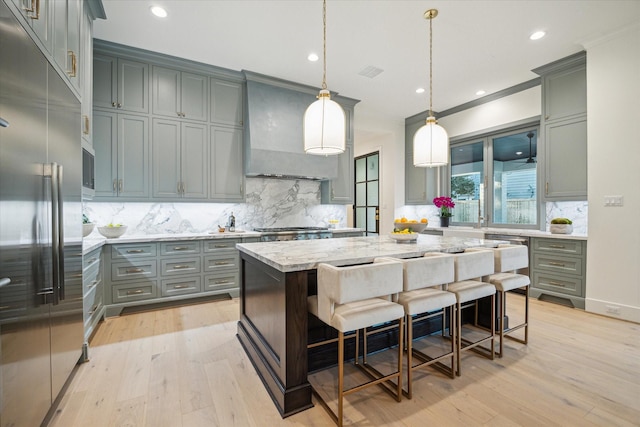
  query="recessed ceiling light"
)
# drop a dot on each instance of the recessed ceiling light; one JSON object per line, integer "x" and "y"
{"x": 537, "y": 35}
{"x": 480, "y": 92}
{"x": 518, "y": 153}
{"x": 420, "y": 90}
{"x": 159, "y": 11}
{"x": 313, "y": 57}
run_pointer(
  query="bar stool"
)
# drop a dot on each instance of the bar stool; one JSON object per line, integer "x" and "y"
{"x": 423, "y": 298}
{"x": 357, "y": 297}
{"x": 508, "y": 259}
{"x": 470, "y": 267}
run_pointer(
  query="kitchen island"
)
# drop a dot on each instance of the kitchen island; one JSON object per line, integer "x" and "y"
{"x": 277, "y": 277}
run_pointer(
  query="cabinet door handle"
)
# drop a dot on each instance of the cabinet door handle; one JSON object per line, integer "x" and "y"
{"x": 557, "y": 246}
{"x": 557, "y": 264}
{"x": 74, "y": 63}
{"x": 135, "y": 270}
{"x": 135, "y": 292}
{"x": 181, "y": 267}
{"x": 135, "y": 251}
{"x": 86, "y": 125}
{"x": 554, "y": 283}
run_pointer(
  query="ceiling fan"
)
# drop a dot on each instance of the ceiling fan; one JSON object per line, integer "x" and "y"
{"x": 530, "y": 159}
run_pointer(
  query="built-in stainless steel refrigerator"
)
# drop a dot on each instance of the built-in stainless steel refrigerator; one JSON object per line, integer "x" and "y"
{"x": 41, "y": 326}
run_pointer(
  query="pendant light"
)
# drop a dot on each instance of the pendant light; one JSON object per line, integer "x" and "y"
{"x": 324, "y": 120}
{"x": 430, "y": 142}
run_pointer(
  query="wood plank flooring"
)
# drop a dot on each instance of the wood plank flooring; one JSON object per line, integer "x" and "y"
{"x": 184, "y": 367}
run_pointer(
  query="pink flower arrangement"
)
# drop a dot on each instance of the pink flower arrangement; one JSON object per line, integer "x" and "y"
{"x": 445, "y": 204}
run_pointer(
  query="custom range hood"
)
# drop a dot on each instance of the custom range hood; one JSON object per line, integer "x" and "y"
{"x": 273, "y": 131}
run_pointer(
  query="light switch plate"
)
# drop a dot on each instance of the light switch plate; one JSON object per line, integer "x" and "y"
{"x": 610, "y": 201}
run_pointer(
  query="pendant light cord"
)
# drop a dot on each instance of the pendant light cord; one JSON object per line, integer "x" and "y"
{"x": 430, "y": 67}
{"x": 324, "y": 44}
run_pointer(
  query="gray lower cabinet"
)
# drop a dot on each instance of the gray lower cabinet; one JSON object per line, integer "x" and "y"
{"x": 121, "y": 143}
{"x": 92, "y": 291}
{"x": 180, "y": 151}
{"x": 558, "y": 270}
{"x": 154, "y": 272}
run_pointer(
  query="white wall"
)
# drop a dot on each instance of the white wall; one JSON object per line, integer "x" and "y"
{"x": 613, "y": 109}
{"x": 379, "y": 134}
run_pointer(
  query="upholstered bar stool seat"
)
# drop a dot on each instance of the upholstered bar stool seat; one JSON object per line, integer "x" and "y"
{"x": 470, "y": 267}
{"x": 423, "y": 298}
{"x": 357, "y": 297}
{"x": 508, "y": 259}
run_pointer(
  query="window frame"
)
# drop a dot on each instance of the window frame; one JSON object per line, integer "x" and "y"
{"x": 487, "y": 136}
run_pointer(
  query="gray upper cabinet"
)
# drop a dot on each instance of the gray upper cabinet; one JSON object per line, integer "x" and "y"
{"x": 227, "y": 176}
{"x": 339, "y": 191}
{"x": 179, "y": 160}
{"x": 227, "y": 102}
{"x": 121, "y": 142}
{"x": 179, "y": 94}
{"x": 120, "y": 84}
{"x": 564, "y": 125}
{"x": 39, "y": 17}
{"x": 66, "y": 38}
{"x": 420, "y": 184}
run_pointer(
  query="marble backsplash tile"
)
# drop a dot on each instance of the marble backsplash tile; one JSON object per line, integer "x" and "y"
{"x": 576, "y": 211}
{"x": 269, "y": 203}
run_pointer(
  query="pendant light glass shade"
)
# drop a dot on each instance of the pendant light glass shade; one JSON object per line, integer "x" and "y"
{"x": 324, "y": 129}
{"x": 430, "y": 142}
{"x": 324, "y": 126}
{"x": 430, "y": 145}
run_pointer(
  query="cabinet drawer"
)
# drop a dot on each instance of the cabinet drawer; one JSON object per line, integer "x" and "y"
{"x": 134, "y": 291}
{"x": 133, "y": 270}
{"x": 571, "y": 247}
{"x": 130, "y": 251}
{"x": 220, "y": 245}
{"x": 180, "y": 248}
{"x": 172, "y": 267}
{"x": 91, "y": 259}
{"x": 219, "y": 262}
{"x": 218, "y": 282}
{"x": 558, "y": 264}
{"x": 92, "y": 303}
{"x": 560, "y": 284}
{"x": 181, "y": 286}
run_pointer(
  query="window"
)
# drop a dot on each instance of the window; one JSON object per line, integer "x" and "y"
{"x": 510, "y": 197}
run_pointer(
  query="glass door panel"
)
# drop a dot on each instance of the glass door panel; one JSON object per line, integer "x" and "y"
{"x": 467, "y": 182}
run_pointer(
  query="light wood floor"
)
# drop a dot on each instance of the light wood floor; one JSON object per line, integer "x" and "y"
{"x": 184, "y": 367}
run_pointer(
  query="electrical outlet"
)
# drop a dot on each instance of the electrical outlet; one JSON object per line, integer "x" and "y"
{"x": 613, "y": 309}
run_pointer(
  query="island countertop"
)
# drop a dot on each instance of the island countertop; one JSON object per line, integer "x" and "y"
{"x": 300, "y": 255}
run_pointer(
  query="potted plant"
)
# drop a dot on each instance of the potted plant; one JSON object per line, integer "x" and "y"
{"x": 445, "y": 204}
{"x": 561, "y": 226}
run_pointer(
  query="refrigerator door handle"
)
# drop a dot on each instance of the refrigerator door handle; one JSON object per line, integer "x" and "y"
{"x": 51, "y": 171}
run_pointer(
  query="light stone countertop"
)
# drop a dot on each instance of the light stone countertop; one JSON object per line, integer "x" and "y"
{"x": 507, "y": 231}
{"x": 300, "y": 255}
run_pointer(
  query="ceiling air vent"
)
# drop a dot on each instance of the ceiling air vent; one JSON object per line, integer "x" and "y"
{"x": 370, "y": 71}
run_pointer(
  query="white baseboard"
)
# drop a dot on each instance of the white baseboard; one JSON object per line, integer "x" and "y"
{"x": 612, "y": 309}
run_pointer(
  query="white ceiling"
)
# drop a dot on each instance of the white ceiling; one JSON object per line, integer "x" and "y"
{"x": 476, "y": 44}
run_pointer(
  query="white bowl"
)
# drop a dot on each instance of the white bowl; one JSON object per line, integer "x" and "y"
{"x": 400, "y": 237}
{"x": 87, "y": 229}
{"x": 417, "y": 227}
{"x": 112, "y": 232}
